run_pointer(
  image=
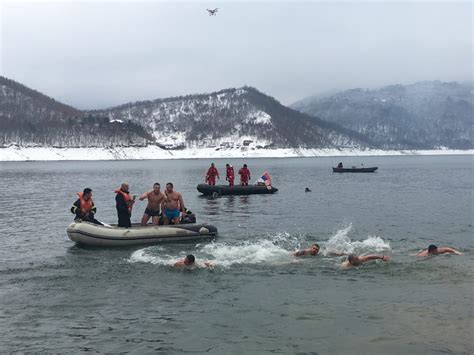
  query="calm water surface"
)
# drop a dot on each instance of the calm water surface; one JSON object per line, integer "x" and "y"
{"x": 57, "y": 297}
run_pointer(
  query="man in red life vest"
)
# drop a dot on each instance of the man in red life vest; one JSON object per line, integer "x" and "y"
{"x": 84, "y": 207}
{"x": 124, "y": 204}
{"x": 211, "y": 175}
{"x": 229, "y": 172}
{"x": 244, "y": 173}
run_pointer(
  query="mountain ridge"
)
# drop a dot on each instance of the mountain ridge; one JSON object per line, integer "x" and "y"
{"x": 423, "y": 115}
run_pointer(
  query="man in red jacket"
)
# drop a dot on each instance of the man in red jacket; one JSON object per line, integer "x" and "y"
{"x": 229, "y": 169}
{"x": 211, "y": 175}
{"x": 244, "y": 173}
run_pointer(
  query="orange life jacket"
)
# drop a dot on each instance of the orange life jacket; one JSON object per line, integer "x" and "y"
{"x": 86, "y": 206}
{"x": 128, "y": 199}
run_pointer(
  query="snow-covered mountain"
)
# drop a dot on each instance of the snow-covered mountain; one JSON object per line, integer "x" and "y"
{"x": 231, "y": 118}
{"x": 228, "y": 119}
{"x": 29, "y": 118}
{"x": 424, "y": 115}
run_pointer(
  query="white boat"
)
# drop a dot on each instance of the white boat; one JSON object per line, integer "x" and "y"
{"x": 108, "y": 235}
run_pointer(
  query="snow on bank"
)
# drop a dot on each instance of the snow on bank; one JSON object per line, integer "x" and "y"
{"x": 154, "y": 152}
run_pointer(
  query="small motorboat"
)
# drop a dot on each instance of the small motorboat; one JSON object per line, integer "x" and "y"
{"x": 221, "y": 190}
{"x": 354, "y": 170}
{"x": 111, "y": 236}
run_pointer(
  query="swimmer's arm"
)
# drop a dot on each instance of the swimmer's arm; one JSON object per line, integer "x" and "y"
{"x": 299, "y": 253}
{"x": 449, "y": 250}
{"x": 209, "y": 264}
{"x": 373, "y": 257}
{"x": 422, "y": 252}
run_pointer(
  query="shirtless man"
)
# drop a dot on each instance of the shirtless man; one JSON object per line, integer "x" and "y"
{"x": 312, "y": 251}
{"x": 155, "y": 198}
{"x": 353, "y": 260}
{"x": 190, "y": 260}
{"x": 434, "y": 250}
{"x": 172, "y": 205}
{"x": 187, "y": 261}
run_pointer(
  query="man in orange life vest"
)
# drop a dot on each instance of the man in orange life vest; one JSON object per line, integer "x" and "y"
{"x": 244, "y": 173}
{"x": 124, "y": 204}
{"x": 211, "y": 175}
{"x": 229, "y": 169}
{"x": 84, "y": 208}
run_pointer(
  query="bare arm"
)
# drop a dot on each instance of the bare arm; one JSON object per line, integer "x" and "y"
{"x": 299, "y": 253}
{"x": 449, "y": 251}
{"x": 181, "y": 202}
{"x": 144, "y": 195}
{"x": 373, "y": 257}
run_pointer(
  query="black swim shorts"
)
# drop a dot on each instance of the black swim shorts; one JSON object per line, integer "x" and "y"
{"x": 152, "y": 213}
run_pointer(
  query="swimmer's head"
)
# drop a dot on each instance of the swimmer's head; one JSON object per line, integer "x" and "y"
{"x": 432, "y": 249}
{"x": 189, "y": 259}
{"x": 314, "y": 249}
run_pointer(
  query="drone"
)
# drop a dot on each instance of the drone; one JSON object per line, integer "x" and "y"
{"x": 212, "y": 12}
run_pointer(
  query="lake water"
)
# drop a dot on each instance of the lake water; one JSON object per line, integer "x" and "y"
{"x": 57, "y": 297}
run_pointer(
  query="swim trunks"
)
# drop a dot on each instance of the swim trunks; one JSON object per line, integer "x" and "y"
{"x": 170, "y": 214}
{"x": 152, "y": 213}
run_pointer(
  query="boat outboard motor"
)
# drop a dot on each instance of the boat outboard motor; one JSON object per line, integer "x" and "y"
{"x": 189, "y": 217}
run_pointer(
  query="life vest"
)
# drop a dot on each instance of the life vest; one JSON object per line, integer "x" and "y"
{"x": 212, "y": 172}
{"x": 128, "y": 199}
{"x": 230, "y": 172}
{"x": 86, "y": 206}
{"x": 244, "y": 174}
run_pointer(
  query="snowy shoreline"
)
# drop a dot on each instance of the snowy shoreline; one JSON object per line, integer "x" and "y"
{"x": 154, "y": 152}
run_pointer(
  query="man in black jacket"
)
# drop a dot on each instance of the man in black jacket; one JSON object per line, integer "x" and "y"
{"x": 124, "y": 204}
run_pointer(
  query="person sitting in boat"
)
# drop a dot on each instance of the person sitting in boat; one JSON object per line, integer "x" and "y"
{"x": 311, "y": 251}
{"x": 229, "y": 174}
{"x": 340, "y": 165}
{"x": 353, "y": 260}
{"x": 124, "y": 203}
{"x": 155, "y": 198}
{"x": 84, "y": 207}
{"x": 211, "y": 175}
{"x": 172, "y": 205}
{"x": 434, "y": 250}
{"x": 244, "y": 173}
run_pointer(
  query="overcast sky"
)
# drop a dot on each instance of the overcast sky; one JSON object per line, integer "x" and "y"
{"x": 95, "y": 55}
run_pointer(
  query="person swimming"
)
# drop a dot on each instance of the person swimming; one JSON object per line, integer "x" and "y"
{"x": 311, "y": 251}
{"x": 354, "y": 260}
{"x": 190, "y": 260}
{"x": 434, "y": 250}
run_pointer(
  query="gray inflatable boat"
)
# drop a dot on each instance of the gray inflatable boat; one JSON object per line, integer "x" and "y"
{"x": 111, "y": 236}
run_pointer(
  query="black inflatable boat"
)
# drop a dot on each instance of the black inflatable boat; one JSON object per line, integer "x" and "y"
{"x": 221, "y": 190}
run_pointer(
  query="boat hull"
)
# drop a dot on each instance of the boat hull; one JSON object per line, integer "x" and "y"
{"x": 354, "y": 170}
{"x": 221, "y": 190}
{"x": 86, "y": 233}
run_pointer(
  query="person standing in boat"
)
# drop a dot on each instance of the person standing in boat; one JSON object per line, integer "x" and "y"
{"x": 124, "y": 204}
{"x": 211, "y": 175}
{"x": 229, "y": 174}
{"x": 172, "y": 205}
{"x": 340, "y": 165}
{"x": 244, "y": 173}
{"x": 84, "y": 207}
{"x": 155, "y": 198}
